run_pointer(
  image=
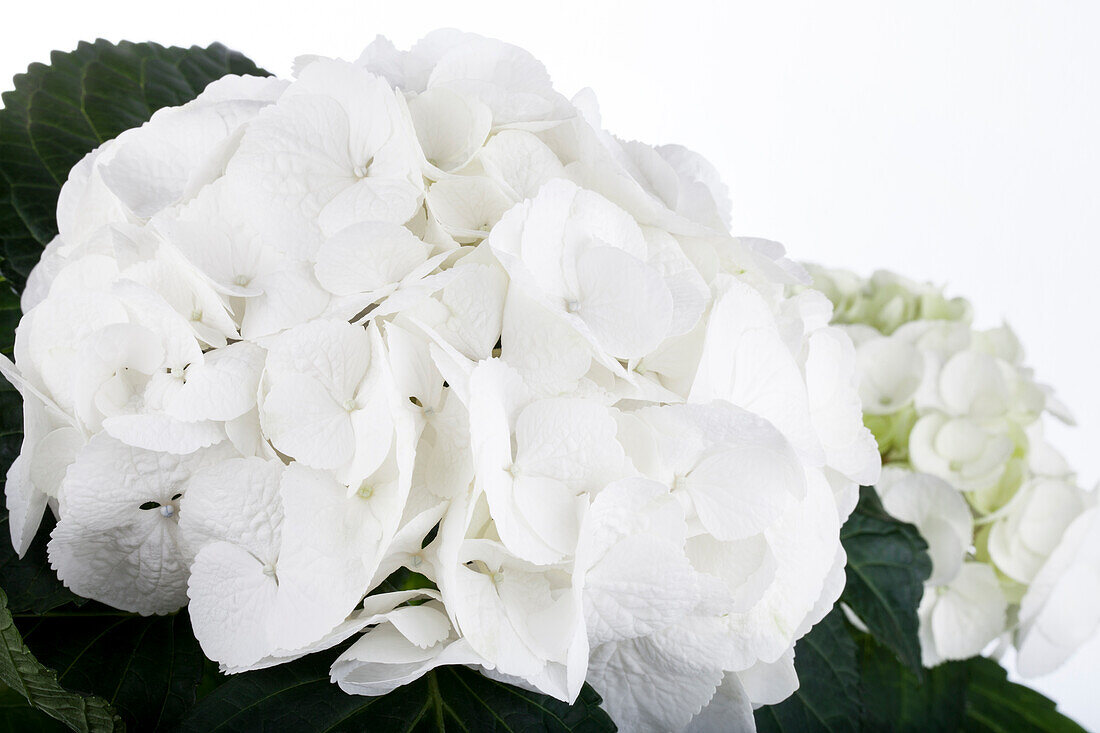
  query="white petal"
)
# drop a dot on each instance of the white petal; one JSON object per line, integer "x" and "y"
{"x": 367, "y": 257}
{"x": 336, "y": 354}
{"x": 152, "y": 166}
{"x": 52, "y": 456}
{"x": 940, "y": 513}
{"x": 646, "y": 690}
{"x": 572, "y": 440}
{"x": 303, "y": 421}
{"x": 511, "y": 82}
{"x": 329, "y": 553}
{"x": 467, "y": 207}
{"x": 370, "y": 199}
{"x": 746, "y": 362}
{"x": 158, "y": 432}
{"x": 450, "y": 127}
{"x": 106, "y": 546}
{"x": 770, "y": 683}
{"x": 289, "y": 296}
{"x": 641, "y": 585}
{"x": 236, "y": 501}
{"x": 626, "y": 304}
{"x": 222, "y": 387}
{"x": 738, "y": 491}
{"x": 541, "y": 346}
{"x": 835, "y": 407}
{"x": 25, "y": 504}
{"x": 520, "y": 162}
{"x": 729, "y": 711}
{"x": 969, "y": 614}
{"x": 231, "y": 629}
{"x": 1060, "y": 610}
{"x": 383, "y": 660}
{"x": 891, "y": 370}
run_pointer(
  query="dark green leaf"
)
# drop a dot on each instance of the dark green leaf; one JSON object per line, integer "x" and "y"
{"x": 148, "y": 667}
{"x": 20, "y": 671}
{"x": 887, "y": 565}
{"x": 9, "y": 317}
{"x": 971, "y": 695}
{"x": 300, "y": 697}
{"x": 897, "y": 699}
{"x": 828, "y": 695}
{"x": 58, "y": 113}
{"x": 17, "y": 716}
{"x": 995, "y": 705}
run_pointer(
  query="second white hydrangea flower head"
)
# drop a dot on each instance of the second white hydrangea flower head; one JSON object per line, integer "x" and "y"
{"x": 958, "y": 419}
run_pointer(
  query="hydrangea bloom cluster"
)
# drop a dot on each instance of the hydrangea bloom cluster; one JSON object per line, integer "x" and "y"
{"x": 1014, "y": 541}
{"x": 420, "y": 311}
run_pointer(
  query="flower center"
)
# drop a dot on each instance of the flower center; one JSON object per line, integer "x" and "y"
{"x": 365, "y": 491}
{"x": 362, "y": 171}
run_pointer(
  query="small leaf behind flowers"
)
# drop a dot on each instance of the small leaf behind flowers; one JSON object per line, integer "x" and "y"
{"x": 887, "y": 565}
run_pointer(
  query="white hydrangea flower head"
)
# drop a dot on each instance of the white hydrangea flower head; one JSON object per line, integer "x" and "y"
{"x": 958, "y": 418}
{"x": 421, "y": 313}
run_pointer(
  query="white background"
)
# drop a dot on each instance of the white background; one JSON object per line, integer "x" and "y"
{"x": 952, "y": 141}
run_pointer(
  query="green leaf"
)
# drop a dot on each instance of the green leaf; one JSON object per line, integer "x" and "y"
{"x": 20, "y": 671}
{"x": 828, "y": 695}
{"x": 887, "y": 565}
{"x": 16, "y": 716}
{"x": 9, "y": 316}
{"x": 58, "y": 113}
{"x": 972, "y": 695}
{"x": 300, "y": 697}
{"x": 897, "y": 699}
{"x": 147, "y": 667}
{"x": 995, "y": 705}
